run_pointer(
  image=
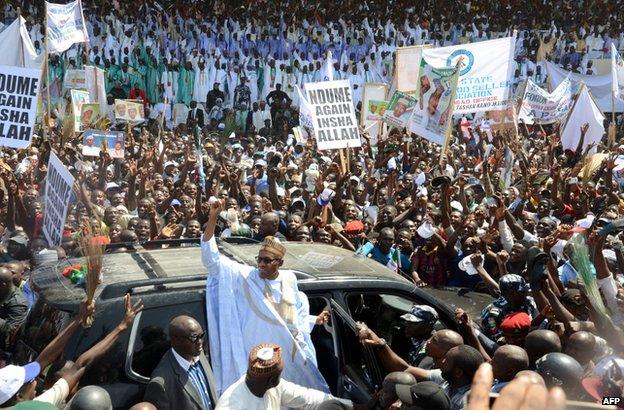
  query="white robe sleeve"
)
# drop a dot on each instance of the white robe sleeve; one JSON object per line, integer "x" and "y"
{"x": 298, "y": 397}
{"x": 213, "y": 260}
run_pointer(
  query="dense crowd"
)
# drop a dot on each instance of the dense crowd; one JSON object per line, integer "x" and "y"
{"x": 515, "y": 216}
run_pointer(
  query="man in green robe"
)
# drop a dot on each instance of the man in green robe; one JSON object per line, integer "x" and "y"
{"x": 186, "y": 83}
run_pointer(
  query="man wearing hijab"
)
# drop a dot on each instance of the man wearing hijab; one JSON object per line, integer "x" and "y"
{"x": 251, "y": 305}
{"x": 263, "y": 388}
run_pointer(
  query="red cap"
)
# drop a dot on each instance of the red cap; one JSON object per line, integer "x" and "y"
{"x": 517, "y": 322}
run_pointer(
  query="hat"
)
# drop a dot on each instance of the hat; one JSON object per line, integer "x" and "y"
{"x": 325, "y": 197}
{"x": 513, "y": 282}
{"x": 19, "y": 239}
{"x": 423, "y": 395}
{"x": 168, "y": 163}
{"x": 265, "y": 359}
{"x": 237, "y": 146}
{"x": 441, "y": 180}
{"x": 261, "y": 138}
{"x": 457, "y": 206}
{"x": 426, "y": 230}
{"x": 421, "y": 313}
{"x": 12, "y": 378}
{"x": 354, "y": 227}
{"x": 273, "y": 246}
{"x": 260, "y": 162}
{"x": 111, "y": 185}
{"x": 516, "y": 323}
{"x": 297, "y": 201}
{"x": 354, "y": 178}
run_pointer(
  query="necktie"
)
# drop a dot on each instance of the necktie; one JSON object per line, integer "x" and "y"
{"x": 197, "y": 378}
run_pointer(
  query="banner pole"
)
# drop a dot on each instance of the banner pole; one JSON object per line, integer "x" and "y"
{"x": 47, "y": 134}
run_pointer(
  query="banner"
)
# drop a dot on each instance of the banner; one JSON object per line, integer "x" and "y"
{"x": 58, "y": 192}
{"x": 127, "y": 110}
{"x": 432, "y": 115}
{"x": 541, "y": 107}
{"x": 75, "y": 79}
{"x": 16, "y": 47}
{"x": 371, "y": 116}
{"x": 78, "y": 98}
{"x": 306, "y": 113}
{"x": 485, "y": 76}
{"x": 584, "y": 111}
{"x": 375, "y": 109}
{"x": 335, "y": 125}
{"x": 617, "y": 73}
{"x": 93, "y": 141}
{"x": 65, "y": 26}
{"x": 399, "y": 110}
{"x": 601, "y": 86}
{"x": 89, "y": 114}
{"x": 19, "y": 91}
{"x": 407, "y": 66}
{"x": 95, "y": 83}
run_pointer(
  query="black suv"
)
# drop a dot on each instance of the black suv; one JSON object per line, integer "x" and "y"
{"x": 171, "y": 281}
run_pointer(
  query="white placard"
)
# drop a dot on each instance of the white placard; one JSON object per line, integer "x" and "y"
{"x": 58, "y": 191}
{"x": 19, "y": 89}
{"x": 65, "y": 26}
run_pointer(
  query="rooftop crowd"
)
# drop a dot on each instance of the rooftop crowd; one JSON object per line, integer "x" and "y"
{"x": 531, "y": 234}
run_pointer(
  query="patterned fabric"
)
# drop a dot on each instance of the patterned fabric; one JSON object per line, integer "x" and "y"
{"x": 494, "y": 313}
{"x": 199, "y": 381}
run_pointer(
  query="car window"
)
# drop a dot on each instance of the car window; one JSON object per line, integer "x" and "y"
{"x": 150, "y": 338}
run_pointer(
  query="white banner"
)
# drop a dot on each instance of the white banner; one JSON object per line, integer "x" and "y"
{"x": 19, "y": 90}
{"x": 407, "y": 66}
{"x": 617, "y": 72}
{"x": 130, "y": 110}
{"x": 485, "y": 76}
{"x": 335, "y": 125}
{"x": 601, "y": 86}
{"x": 541, "y": 107}
{"x": 58, "y": 191}
{"x": 371, "y": 116}
{"x": 16, "y": 47}
{"x": 95, "y": 83}
{"x": 306, "y": 112}
{"x": 432, "y": 115}
{"x": 75, "y": 79}
{"x": 584, "y": 111}
{"x": 65, "y": 26}
{"x": 78, "y": 98}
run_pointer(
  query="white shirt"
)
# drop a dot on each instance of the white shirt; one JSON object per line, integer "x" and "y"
{"x": 185, "y": 364}
{"x": 286, "y": 394}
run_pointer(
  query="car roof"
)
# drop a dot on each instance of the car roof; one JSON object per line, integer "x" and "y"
{"x": 141, "y": 267}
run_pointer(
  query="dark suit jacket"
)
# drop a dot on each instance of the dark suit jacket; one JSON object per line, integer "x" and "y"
{"x": 199, "y": 117}
{"x": 171, "y": 389}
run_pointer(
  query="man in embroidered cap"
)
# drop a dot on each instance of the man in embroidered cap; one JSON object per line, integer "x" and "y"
{"x": 263, "y": 388}
{"x": 251, "y": 305}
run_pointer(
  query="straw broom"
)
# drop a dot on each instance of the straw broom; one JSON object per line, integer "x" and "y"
{"x": 92, "y": 252}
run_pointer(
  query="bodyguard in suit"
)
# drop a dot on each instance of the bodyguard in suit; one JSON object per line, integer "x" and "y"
{"x": 183, "y": 379}
{"x": 195, "y": 115}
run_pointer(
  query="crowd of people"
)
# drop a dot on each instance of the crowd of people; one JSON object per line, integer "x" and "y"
{"x": 516, "y": 217}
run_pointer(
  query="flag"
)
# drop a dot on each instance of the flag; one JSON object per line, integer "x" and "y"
{"x": 617, "y": 73}
{"x": 306, "y": 111}
{"x": 584, "y": 111}
{"x": 16, "y": 47}
{"x": 327, "y": 71}
{"x": 66, "y": 26}
{"x": 394, "y": 264}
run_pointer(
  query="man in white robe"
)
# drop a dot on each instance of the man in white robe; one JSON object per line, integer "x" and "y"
{"x": 202, "y": 82}
{"x": 169, "y": 82}
{"x": 247, "y": 306}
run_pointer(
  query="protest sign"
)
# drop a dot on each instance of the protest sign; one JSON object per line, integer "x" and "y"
{"x": 19, "y": 90}
{"x": 78, "y": 98}
{"x": 407, "y": 66}
{"x": 65, "y": 26}
{"x": 399, "y": 110}
{"x": 306, "y": 111}
{"x": 93, "y": 141}
{"x": 58, "y": 191}
{"x": 617, "y": 73}
{"x": 89, "y": 114}
{"x": 374, "y": 107}
{"x": 335, "y": 125}
{"x": 485, "y": 76}
{"x": 541, "y": 107}
{"x": 131, "y": 111}
{"x": 435, "y": 94}
{"x": 75, "y": 80}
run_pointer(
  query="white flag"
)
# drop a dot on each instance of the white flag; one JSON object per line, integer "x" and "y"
{"x": 66, "y": 26}
{"x": 617, "y": 73}
{"x": 584, "y": 111}
{"x": 306, "y": 111}
{"x": 327, "y": 71}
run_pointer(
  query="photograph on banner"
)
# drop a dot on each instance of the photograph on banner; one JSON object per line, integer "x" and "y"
{"x": 376, "y": 109}
{"x": 128, "y": 110}
{"x": 89, "y": 113}
{"x": 65, "y": 26}
{"x": 58, "y": 194}
{"x": 78, "y": 98}
{"x": 433, "y": 112}
{"x": 617, "y": 73}
{"x": 335, "y": 125}
{"x": 373, "y": 92}
{"x": 19, "y": 91}
{"x": 93, "y": 141}
{"x": 485, "y": 76}
{"x": 500, "y": 120}
{"x": 407, "y": 68}
{"x": 399, "y": 110}
{"x": 541, "y": 107}
{"x": 75, "y": 80}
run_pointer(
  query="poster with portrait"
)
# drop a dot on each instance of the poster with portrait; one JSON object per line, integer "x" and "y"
{"x": 78, "y": 98}
{"x": 93, "y": 142}
{"x": 432, "y": 116}
{"x": 129, "y": 111}
{"x": 89, "y": 113}
{"x": 399, "y": 110}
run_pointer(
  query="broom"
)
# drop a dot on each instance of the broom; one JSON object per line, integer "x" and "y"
{"x": 583, "y": 265}
{"x": 92, "y": 251}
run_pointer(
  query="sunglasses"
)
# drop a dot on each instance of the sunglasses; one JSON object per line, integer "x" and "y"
{"x": 264, "y": 259}
{"x": 195, "y": 338}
